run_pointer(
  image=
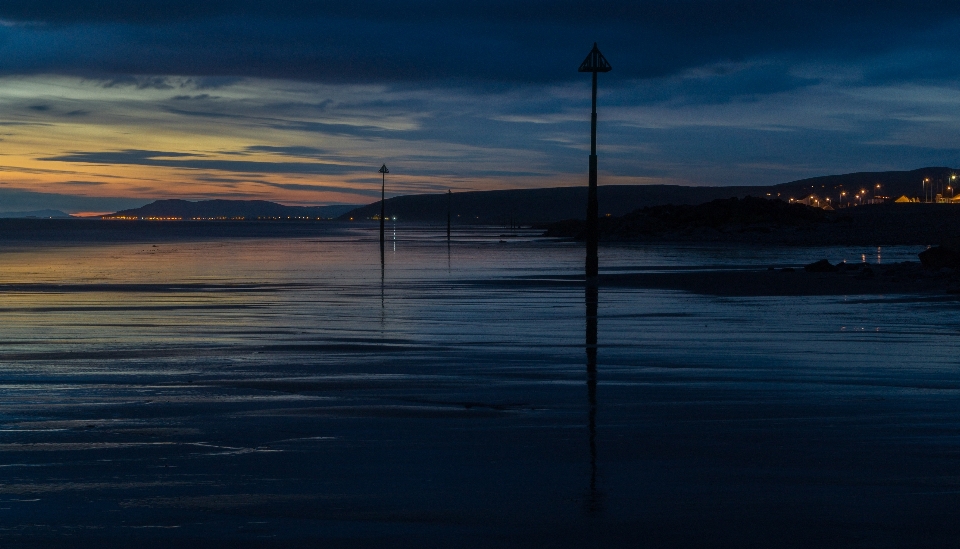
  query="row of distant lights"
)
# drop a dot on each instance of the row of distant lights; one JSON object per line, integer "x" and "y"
{"x": 863, "y": 192}
{"x": 859, "y": 196}
{"x": 224, "y": 218}
{"x": 949, "y": 187}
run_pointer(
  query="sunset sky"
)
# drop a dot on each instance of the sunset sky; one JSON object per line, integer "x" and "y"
{"x": 113, "y": 103}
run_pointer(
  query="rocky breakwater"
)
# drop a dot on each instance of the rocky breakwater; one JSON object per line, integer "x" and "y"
{"x": 938, "y": 271}
{"x": 943, "y": 258}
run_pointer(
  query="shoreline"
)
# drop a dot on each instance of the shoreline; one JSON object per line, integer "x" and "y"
{"x": 870, "y": 225}
{"x": 857, "y": 279}
{"x": 883, "y": 280}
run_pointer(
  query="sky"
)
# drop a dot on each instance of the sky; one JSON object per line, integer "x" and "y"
{"x": 107, "y": 104}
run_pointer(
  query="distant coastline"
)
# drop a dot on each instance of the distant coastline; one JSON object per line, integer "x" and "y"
{"x": 515, "y": 207}
{"x": 872, "y": 225}
{"x": 36, "y": 214}
{"x": 227, "y": 210}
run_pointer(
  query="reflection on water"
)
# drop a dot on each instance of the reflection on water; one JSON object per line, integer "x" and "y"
{"x": 383, "y": 310}
{"x": 251, "y": 390}
{"x": 592, "y": 298}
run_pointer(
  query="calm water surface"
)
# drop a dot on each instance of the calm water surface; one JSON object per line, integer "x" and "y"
{"x": 288, "y": 392}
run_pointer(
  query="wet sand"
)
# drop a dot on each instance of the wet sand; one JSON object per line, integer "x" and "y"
{"x": 281, "y": 394}
{"x": 857, "y": 280}
{"x": 881, "y": 280}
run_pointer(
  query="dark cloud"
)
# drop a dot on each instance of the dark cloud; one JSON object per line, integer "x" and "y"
{"x": 428, "y": 40}
{"x": 203, "y": 114}
{"x": 304, "y": 152}
{"x": 233, "y": 182}
{"x": 11, "y": 123}
{"x": 323, "y": 188}
{"x": 720, "y": 12}
{"x": 139, "y": 82}
{"x": 168, "y": 159}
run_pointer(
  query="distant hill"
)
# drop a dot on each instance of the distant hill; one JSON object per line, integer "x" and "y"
{"x": 40, "y": 214}
{"x": 723, "y": 215}
{"x": 892, "y": 184}
{"x": 539, "y": 205}
{"x": 535, "y": 206}
{"x": 532, "y": 206}
{"x": 229, "y": 209}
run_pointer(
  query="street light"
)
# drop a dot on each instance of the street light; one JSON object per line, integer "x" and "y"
{"x": 925, "y": 181}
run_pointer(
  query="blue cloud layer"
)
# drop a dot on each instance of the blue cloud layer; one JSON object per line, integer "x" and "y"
{"x": 414, "y": 41}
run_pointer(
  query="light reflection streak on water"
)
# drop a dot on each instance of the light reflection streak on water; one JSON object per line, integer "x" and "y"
{"x": 323, "y": 291}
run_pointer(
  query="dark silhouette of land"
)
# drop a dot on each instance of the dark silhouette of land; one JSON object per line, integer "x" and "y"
{"x": 721, "y": 215}
{"x": 38, "y": 214}
{"x": 547, "y": 205}
{"x": 764, "y": 221}
{"x": 229, "y": 209}
{"x": 528, "y": 206}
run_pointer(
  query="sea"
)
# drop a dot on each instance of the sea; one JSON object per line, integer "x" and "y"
{"x": 292, "y": 385}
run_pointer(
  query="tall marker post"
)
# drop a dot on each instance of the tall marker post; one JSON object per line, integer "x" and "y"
{"x": 383, "y": 185}
{"x": 594, "y": 63}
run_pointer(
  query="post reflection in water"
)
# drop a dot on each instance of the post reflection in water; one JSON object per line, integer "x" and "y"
{"x": 593, "y": 504}
{"x": 383, "y": 310}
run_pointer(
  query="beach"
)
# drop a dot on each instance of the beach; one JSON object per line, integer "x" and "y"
{"x": 287, "y": 392}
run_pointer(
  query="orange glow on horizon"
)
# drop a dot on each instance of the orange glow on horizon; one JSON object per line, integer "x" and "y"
{"x": 80, "y": 138}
